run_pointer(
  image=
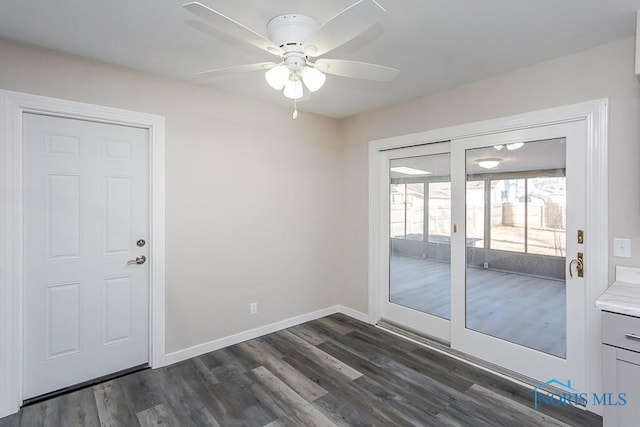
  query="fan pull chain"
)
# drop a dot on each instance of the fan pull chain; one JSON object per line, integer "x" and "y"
{"x": 295, "y": 109}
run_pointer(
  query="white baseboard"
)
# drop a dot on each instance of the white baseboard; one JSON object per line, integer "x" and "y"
{"x": 358, "y": 315}
{"x": 197, "y": 350}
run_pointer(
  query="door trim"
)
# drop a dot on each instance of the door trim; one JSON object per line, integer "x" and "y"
{"x": 594, "y": 115}
{"x": 12, "y": 107}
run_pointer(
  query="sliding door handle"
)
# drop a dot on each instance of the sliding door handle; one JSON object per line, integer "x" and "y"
{"x": 579, "y": 262}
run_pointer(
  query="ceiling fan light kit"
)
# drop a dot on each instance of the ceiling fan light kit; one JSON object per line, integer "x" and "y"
{"x": 290, "y": 73}
{"x": 299, "y": 39}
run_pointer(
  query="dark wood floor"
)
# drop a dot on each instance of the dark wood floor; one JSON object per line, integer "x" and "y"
{"x": 332, "y": 371}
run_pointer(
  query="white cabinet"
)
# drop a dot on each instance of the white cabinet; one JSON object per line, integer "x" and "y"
{"x": 621, "y": 368}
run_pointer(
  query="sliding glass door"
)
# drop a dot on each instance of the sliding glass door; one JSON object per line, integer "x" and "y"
{"x": 519, "y": 201}
{"x": 481, "y": 232}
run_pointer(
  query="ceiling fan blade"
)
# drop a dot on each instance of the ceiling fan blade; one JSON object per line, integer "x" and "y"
{"x": 357, "y": 70}
{"x": 345, "y": 26}
{"x": 261, "y": 66}
{"x": 232, "y": 27}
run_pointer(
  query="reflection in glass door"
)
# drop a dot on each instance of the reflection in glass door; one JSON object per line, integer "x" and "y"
{"x": 516, "y": 243}
{"x": 419, "y": 286}
{"x": 420, "y": 234}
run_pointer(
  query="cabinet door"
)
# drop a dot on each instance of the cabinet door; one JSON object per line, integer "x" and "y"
{"x": 621, "y": 375}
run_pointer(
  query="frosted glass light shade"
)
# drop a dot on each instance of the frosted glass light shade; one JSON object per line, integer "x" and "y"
{"x": 277, "y": 77}
{"x": 293, "y": 89}
{"x": 313, "y": 78}
{"x": 489, "y": 163}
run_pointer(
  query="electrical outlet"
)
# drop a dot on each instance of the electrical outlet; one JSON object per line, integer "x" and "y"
{"x": 485, "y": 265}
{"x": 424, "y": 255}
{"x": 622, "y": 248}
{"x": 253, "y": 308}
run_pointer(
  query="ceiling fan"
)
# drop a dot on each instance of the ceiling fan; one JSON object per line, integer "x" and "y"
{"x": 299, "y": 41}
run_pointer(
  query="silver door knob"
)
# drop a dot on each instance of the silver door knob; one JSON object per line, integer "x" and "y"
{"x": 140, "y": 259}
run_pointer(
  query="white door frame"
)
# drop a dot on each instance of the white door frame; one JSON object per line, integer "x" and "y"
{"x": 594, "y": 116}
{"x": 12, "y": 107}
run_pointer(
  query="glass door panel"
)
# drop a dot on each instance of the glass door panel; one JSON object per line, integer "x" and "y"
{"x": 420, "y": 236}
{"x": 418, "y": 292}
{"x": 518, "y": 199}
{"x": 515, "y": 287}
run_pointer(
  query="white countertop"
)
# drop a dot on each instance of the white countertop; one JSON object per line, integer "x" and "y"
{"x": 623, "y": 296}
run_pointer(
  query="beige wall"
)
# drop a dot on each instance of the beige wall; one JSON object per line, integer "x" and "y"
{"x": 605, "y": 71}
{"x": 252, "y": 214}
{"x": 255, "y": 215}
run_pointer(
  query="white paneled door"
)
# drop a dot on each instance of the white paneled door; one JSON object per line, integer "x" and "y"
{"x": 86, "y": 217}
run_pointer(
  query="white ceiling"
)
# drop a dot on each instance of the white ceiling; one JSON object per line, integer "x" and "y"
{"x": 435, "y": 43}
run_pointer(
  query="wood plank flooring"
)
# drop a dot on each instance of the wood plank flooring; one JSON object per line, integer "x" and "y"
{"x": 334, "y": 371}
{"x": 524, "y": 310}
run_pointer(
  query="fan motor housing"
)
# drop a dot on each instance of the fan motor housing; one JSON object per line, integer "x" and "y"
{"x": 291, "y": 29}
{"x": 295, "y": 60}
